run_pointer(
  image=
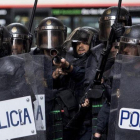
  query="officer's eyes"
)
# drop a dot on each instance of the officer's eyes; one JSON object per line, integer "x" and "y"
{"x": 85, "y": 43}
{"x": 78, "y": 43}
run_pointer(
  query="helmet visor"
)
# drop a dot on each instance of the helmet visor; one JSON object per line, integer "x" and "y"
{"x": 129, "y": 49}
{"x": 48, "y": 39}
{"x": 20, "y": 46}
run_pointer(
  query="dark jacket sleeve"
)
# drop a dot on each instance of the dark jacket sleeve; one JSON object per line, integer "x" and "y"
{"x": 103, "y": 118}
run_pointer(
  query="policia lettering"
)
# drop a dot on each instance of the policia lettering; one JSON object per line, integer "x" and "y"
{"x": 126, "y": 115}
{"x": 39, "y": 112}
{"x": 22, "y": 116}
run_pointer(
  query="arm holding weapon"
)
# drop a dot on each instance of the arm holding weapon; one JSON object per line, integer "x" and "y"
{"x": 66, "y": 68}
{"x": 63, "y": 66}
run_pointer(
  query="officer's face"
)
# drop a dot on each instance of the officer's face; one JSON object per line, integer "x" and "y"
{"x": 17, "y": 49}
{"x": 55, "y": 41}
{"x": 82, "y": 48}
{"x": 51, "y": 42}
{"x": 45, "y": 39}
{"x": 130, "y": 50}
{"x": 114, "y": 50}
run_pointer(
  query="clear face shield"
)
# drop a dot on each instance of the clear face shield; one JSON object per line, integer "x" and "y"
{"x": 49, "y": 39}
{"x": 129, "y": 49}
{"x": 68, "y": 42}
{"x": 20, "y": 46}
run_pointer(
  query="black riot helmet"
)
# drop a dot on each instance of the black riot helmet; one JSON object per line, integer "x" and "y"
{"x": 85, "y": 35}
{"x": 107, "y": 20}
{"x": 22, "y": 38}
{"x": 130, "y": 41}
{"x": 95, "y": 39}
{"x": 50, "y": 34}
{"x": 5, "y": 42}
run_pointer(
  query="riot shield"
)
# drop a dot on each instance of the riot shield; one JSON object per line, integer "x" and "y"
{"x": 35, "y": 72}
{"x": 18, "y": 90}
{"x": 16, "y": 97}
{"x": 125, "y": 107}
{"x": 42, "y": 66}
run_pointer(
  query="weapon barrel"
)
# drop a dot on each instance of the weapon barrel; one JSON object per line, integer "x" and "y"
{"x": 54, "y": 53}
{"x": 118, "y": 11}
{"x": 32, "y": 15}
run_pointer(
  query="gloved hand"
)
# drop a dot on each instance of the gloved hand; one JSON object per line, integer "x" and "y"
{"x": 82, "y": 100}
{"x": 118, "y": 30}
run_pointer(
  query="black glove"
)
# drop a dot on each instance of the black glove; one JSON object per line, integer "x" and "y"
{"x": 82, "y": 100}
{"x": 118, "y": 30}
{"x": 95, "y": 138}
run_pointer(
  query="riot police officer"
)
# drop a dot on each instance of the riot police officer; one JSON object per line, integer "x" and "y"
{"x": 50, "y": 34}
{"x": 78, "y": 45}
{"x": 5, "y": 42}
{"x": 107, "y": 20}
{"x": 21, "y": 38}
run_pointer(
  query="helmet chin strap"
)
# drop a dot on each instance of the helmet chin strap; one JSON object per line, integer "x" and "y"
{"x": 78, "y": 56}
{"x": 81, "y": 55}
